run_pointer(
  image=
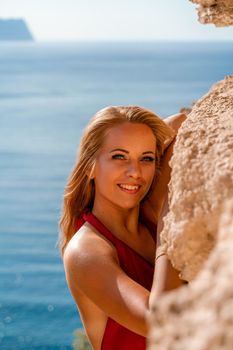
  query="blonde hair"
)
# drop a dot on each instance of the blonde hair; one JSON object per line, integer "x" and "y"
{"x": 79, "y": 191}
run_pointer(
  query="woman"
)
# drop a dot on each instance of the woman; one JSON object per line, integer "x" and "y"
{"x": 112, "y": 203}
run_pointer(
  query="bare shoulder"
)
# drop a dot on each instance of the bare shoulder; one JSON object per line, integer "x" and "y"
{"x": 86, "y": 248}
{"x": 90, "y": 261}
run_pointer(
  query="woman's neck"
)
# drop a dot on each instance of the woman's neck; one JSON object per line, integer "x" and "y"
{"x": 118, "y": 220}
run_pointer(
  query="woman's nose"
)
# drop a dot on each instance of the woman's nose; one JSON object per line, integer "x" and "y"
{"x": 134, "y": 169}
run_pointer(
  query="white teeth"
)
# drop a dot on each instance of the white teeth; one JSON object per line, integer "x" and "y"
{"x": 129, "y": 187}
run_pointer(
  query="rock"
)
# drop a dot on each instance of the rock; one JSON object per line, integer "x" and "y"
{"x": 201, "y": 180}
{"x": 198, "y": 230}
{"x": 200, "y": 316}
{"x": 218, "y": 12}
{"x": 14, "y": 30}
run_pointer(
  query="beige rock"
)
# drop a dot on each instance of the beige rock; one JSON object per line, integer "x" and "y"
{"x": 200, "y": 316}
{"x": 198, "y": 231}
{"x": 218, "y": 12}
{"x": 201, "y": 180}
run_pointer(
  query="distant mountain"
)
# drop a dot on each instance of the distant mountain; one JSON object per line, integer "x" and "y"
{"x": 14, "y": 30}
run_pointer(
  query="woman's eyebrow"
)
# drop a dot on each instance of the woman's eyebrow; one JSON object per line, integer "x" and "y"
{"x": 119, "y": 149}
{"x": 125, "y": 151}
{"x": 148, "y": 152}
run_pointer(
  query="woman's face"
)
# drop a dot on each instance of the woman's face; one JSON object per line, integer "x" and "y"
{"x": 125, "y": 166}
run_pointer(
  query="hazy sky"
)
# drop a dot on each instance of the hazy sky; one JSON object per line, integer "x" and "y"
{"x": 112, "y": 20}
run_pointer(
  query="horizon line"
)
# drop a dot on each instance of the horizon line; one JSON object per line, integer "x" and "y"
{"x": 122, "y": 40}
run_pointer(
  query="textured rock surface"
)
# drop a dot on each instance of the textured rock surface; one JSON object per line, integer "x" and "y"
{"x": 201, "y": 180}
{"x": 218, "y": 12}
{"x": 200, "y": 316}
{"x": 198, "y": 231}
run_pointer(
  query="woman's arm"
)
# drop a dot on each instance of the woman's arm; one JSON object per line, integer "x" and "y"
{"x": 92, "y": 269}
{"x": 151, "y": 208}
{"x": 166, "y": 277}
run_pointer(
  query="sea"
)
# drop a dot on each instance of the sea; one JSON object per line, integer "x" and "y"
{"x": 48, "y": 92}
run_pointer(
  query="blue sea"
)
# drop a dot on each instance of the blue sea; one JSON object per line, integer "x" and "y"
{"x": 48, "y": 91}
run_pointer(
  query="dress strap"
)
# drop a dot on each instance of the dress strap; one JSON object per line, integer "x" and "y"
{"x": 91, "y": 219}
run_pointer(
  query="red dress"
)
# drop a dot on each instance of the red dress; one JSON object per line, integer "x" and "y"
{"x": 117, "y": 337}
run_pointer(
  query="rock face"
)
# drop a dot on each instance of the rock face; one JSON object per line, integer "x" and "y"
{"x": 198, "y": 231}
{"x": 14, "y": 29}
{"x": 200, "y": 316}
{"x": 218, "y": 12}
{"x": 201, "y": 180}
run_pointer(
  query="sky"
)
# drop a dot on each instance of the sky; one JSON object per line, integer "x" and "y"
{"x": 90, "y": 20}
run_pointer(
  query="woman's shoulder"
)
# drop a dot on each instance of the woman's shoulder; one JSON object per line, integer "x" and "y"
{"x": 88, "y": 259}
{"x": 87, "y": 246}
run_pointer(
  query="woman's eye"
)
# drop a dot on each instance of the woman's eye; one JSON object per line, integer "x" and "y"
{"x": 148, "y": 159}
{"x": 118, "y": 156}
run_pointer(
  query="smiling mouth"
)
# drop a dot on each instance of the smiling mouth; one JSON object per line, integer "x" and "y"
{"x": 129, "y": 188}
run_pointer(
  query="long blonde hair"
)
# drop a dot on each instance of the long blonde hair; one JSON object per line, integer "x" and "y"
{"x": 79, "y": 191}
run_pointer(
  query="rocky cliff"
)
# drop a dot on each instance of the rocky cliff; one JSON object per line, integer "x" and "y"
{"x": 201, "y": 180}
{"x": 218, "y": 12}
{"x": 14, "y": 30}
{"x": 200, "y": 316}
{"x": 198, "y": 230}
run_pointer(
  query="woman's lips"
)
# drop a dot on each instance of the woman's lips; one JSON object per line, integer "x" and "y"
{"x": 129, "y": 188}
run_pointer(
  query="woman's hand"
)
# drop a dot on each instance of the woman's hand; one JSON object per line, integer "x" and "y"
{"x": 175, "y": 121}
